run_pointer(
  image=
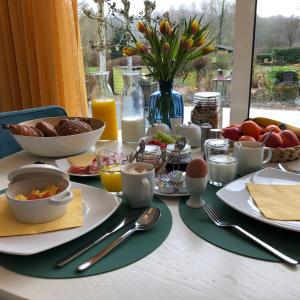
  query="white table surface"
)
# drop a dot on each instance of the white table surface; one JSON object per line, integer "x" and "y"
{"x": 183, "y": 267}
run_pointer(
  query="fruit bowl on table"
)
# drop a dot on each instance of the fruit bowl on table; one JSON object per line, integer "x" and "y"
{"x": 284, "y": 139}
{"x": 65, "y": 141}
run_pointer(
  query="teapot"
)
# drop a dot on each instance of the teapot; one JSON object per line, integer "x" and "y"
{"x": 191, "y": 132}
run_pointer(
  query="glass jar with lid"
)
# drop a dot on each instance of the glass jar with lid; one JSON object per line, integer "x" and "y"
{"x": 132, "y": 108}
{"x": 104, "y": 106}
{"x": 207, "y": 109}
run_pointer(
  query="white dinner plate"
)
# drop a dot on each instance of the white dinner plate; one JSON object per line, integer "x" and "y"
{"x": 64, "y": 164}
{"x": 157, "y": 192}
{"x": 98, "y": 206}
{"x": 236, "y": 195}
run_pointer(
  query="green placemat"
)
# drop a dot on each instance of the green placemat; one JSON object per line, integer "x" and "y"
{"x": 133, "y": 249}
{"x": 196, "y": 219}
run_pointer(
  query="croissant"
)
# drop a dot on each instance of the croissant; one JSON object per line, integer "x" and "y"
{"x": 18, "y": 129}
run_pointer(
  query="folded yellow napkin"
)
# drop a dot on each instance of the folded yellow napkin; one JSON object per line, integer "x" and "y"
{"x": 278, "y": 202}
{"x": 9, "y": 226}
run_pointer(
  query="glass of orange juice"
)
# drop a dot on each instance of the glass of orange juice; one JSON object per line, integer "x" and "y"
{"x": 110, "y": 161}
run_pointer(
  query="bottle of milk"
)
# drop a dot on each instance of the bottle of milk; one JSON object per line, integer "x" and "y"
{"x": 132, "y": 108}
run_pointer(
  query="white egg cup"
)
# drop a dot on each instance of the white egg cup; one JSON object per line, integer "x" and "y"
{"x": 196, "y": 187}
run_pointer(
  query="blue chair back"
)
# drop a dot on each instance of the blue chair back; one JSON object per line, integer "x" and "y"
{"x": 8, "y": 145}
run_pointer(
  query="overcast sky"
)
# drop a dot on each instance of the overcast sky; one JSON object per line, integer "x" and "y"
{"x": 265, "y": 8}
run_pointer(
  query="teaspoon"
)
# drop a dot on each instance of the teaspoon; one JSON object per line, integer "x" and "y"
{"x": 145, "y": 222}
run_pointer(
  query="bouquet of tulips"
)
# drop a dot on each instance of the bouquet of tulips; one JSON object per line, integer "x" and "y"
{"x": 167, "y": 49}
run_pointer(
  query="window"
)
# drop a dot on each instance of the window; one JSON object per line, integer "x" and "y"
{"x": 276, "y": 61}
{"x": 236, "y": 48}
{"x": 209, "y": 74}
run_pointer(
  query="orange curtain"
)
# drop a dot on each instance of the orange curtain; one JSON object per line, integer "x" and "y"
{"x": 40, "y": 56}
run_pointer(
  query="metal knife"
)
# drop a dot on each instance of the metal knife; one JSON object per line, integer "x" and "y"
{"x": 118, "y": 225}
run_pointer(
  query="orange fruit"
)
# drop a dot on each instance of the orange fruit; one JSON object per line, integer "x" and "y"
{"x": 275, "y": 128}
{"x": 246, "y": 138}
{"x": 251, "y": 128}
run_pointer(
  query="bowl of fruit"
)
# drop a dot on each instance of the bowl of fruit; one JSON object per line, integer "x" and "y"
{"x": 284, "y": 138}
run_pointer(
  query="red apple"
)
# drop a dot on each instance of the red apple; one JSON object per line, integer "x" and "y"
{"x": 232, "y": 133}
{"x": 289, "y": 138}
{"x": 274, "y": 140}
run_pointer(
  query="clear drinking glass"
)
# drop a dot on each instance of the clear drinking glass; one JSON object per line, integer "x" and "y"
{"x": 222, "y": 165}
{"x": 110, "y": 160}
{"x": 133, "y": 108}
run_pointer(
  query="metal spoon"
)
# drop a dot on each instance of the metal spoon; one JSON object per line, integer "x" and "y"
{"x": 267, "y": 138}
{"x": 145, "y": 222}
{"x": 141, "y": 150}
{"x": 162, "y": 157}
{"x": 286, "y": 168}
{"x": 179, "y": 146}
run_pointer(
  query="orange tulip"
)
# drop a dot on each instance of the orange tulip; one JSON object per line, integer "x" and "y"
{"x": 129, "y": 51}
{"x": 194, "y": 26}
{"x": 141, "y": 47}
{"x": 141, "y": 27}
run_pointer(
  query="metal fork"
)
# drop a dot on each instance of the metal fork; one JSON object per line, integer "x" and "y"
{"x": 221, "y": 223}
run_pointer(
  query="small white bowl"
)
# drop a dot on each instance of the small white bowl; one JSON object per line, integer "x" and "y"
{"x": 39, "y": 210}
{"x": 60, "y": 146}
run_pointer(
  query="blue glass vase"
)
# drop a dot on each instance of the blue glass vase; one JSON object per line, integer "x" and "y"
{"x": 166, "y": 105}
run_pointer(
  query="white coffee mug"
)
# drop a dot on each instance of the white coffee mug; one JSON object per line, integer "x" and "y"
{"x": 138, "y": 183}
{"x": 250, "y": 156}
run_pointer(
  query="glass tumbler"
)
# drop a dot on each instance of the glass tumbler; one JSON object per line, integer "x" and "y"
{"x": 110, "y": 160}
{"x": 222, "y": 165}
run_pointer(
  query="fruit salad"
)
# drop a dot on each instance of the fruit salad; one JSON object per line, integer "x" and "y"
{"x": 162, "y": 139}
{"x": 49, "y": 191}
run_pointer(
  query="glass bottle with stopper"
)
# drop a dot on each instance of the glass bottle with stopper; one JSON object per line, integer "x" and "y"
{"x": 132, "y": 108}
{"x": 104, "y": 106}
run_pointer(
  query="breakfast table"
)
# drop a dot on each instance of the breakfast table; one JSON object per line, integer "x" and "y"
{"x": 185, "y": 266}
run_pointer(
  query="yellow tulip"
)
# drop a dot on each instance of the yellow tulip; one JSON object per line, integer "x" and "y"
{"x": 183, "y": 41}
{"x": 194, "y": 26}
{"x": 164, "y": 26}
{"x": 141, "y": 47}
{"x": 166, "y": 47}
{"x": 170, "y": 32}
{"x": 201, "y": 41}
{"x": 129, "y": 51}
{"x": 208, "y": 49}
{"x": 189, "y": 44}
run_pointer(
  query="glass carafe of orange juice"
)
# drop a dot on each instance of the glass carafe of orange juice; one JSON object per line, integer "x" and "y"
{"x": 104, "y": 106}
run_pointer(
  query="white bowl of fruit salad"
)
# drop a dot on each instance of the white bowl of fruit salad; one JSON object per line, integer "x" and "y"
{"x": 161, "y": 139}
{"x": 38, "y": 193}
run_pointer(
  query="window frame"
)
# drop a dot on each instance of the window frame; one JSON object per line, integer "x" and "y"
{"x": 245, "y": 17}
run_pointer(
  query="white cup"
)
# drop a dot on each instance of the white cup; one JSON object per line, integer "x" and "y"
{"x": 138, "y": 183}
{"x": 250, "y": 156}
